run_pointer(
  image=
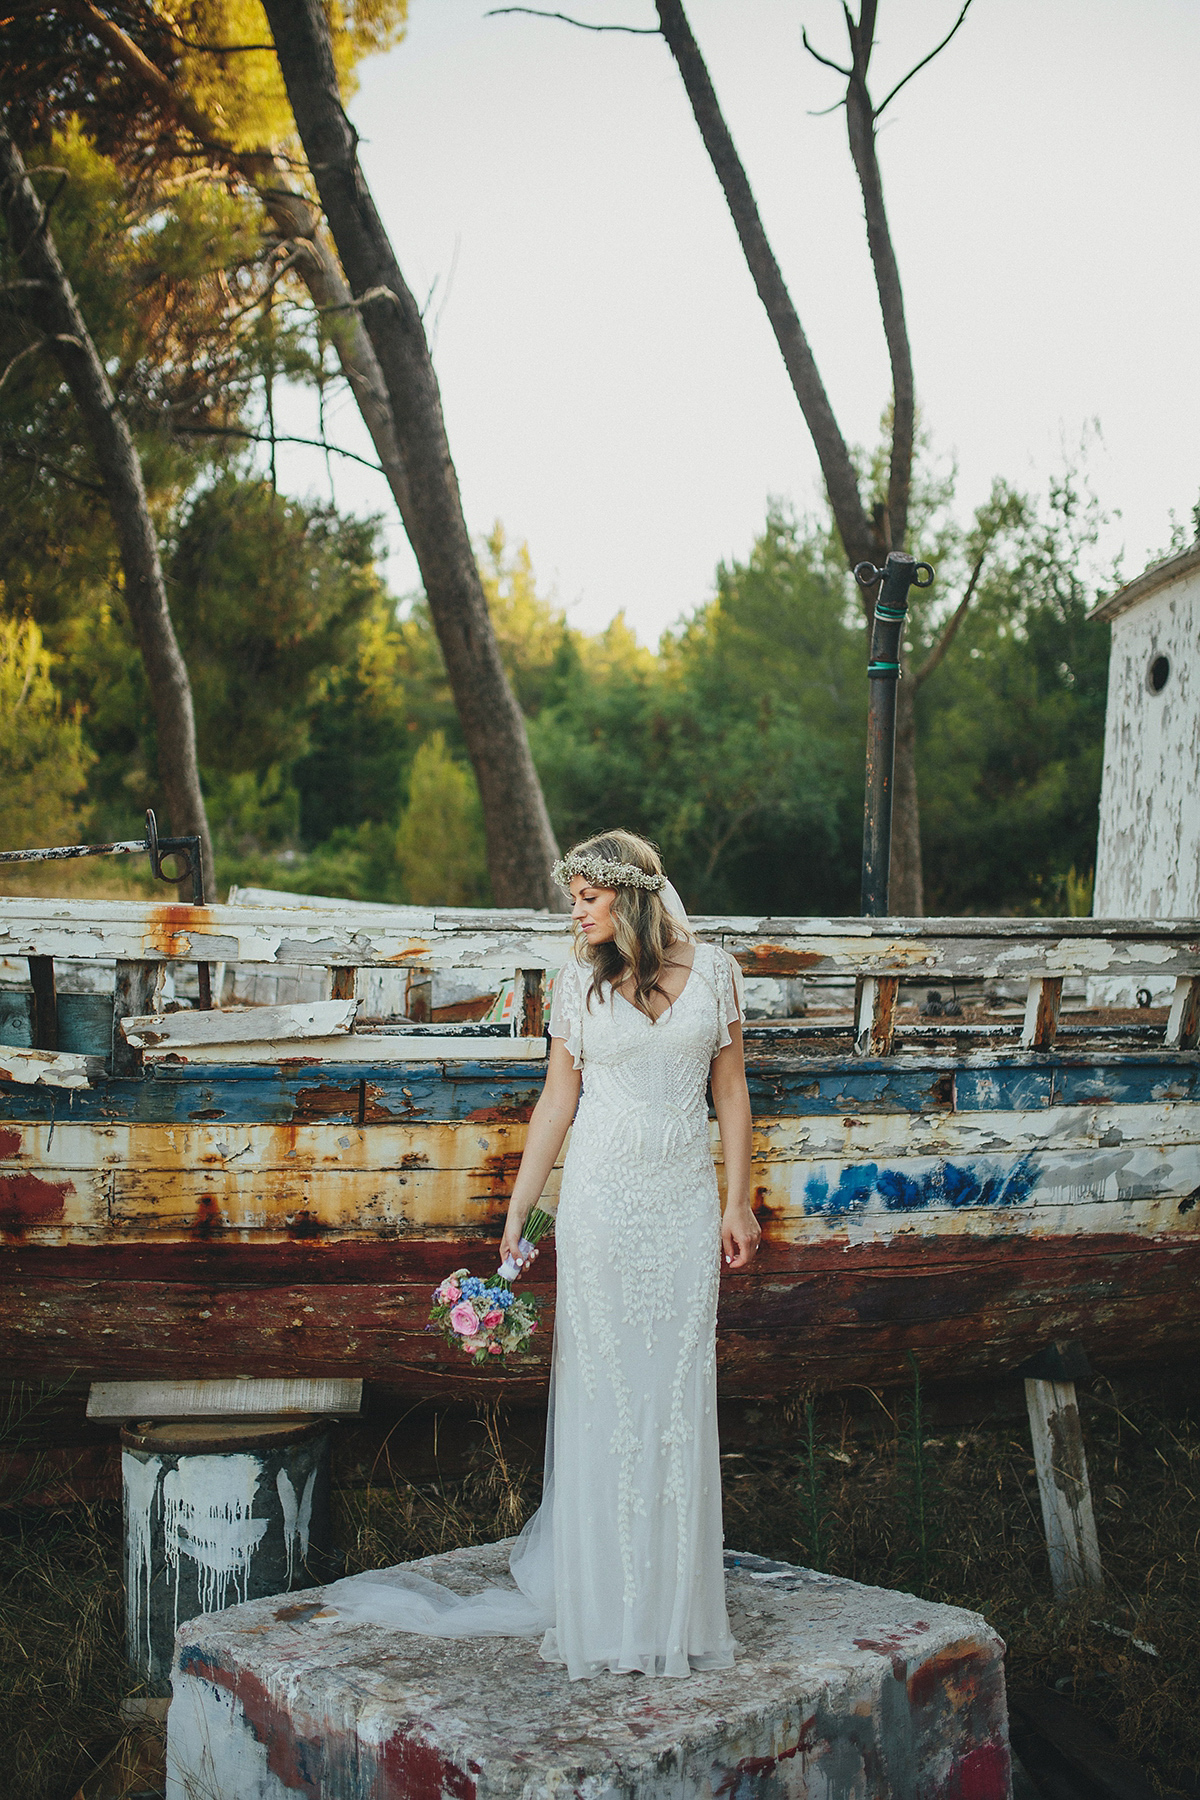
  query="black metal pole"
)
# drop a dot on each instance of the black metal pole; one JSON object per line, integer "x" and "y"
{"x": 899, "y": 573}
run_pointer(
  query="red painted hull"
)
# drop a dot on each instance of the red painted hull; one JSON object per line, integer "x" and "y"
{"x": 828, "y": 1315}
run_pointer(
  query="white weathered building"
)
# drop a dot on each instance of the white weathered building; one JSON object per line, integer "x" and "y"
{"x": 1148, "y": 853}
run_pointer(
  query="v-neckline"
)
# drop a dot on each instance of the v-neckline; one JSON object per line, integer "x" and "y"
{"x": 671, "y": 1005}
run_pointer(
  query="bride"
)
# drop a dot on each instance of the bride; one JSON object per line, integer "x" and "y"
{"x": 621, "y": 1566}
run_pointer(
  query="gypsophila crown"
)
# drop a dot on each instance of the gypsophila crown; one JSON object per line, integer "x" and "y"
{"x": 605, "y": 872}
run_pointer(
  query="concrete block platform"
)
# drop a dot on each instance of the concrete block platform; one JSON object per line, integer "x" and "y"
{"x": 839, "y": 1692}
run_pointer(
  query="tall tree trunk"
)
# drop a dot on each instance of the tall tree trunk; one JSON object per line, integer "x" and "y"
{"x": 863, "y": 539}
{"x": 52, "y": 307}
{"x": 841, "y": 481}
{"x": 520, "y": 840}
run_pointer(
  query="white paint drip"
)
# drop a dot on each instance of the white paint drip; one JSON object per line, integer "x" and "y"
{"x": 140, "y": 1482}
{"x": 208, "y": 1516}
{"x": 297, "y": 1518}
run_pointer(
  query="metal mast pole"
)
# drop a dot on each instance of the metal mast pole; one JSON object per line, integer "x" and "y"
{"x": 898, "y": 574}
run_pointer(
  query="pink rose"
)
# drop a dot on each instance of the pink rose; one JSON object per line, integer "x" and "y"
{"x": 494, "y": 1350}
{"x": 465, "y": 1319}
{"x": 493, "y": 1318}
{"x": 448, "y": 1292}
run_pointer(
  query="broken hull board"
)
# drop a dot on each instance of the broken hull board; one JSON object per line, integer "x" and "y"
{"x": 291, "y": 1219}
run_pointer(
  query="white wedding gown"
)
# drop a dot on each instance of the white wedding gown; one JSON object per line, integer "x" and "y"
{"x": 621, "y": 1566}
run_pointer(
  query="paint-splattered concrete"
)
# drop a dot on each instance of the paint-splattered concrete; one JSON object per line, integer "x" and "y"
{"x": 839, "y": 1692}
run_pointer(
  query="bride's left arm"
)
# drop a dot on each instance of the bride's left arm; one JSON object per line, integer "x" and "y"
{"x": 740, "y": 1231}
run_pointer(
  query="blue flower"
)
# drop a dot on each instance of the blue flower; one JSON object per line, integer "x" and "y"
{"x": 472, "y": 1287}
{"x": 503, "y": 1298}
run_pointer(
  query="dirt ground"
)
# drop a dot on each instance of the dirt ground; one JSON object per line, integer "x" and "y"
{"x": 875, "y": 1487}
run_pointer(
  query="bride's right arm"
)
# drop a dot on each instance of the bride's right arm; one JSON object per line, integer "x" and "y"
{"x": 548, "y": 1127}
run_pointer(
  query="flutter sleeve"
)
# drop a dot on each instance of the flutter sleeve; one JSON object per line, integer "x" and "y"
{"x": 566, "y": 1009}
{"x": 731, "y": 997}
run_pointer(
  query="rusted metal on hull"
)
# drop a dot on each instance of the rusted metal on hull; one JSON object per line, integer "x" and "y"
{"x": 828, "y": 1315}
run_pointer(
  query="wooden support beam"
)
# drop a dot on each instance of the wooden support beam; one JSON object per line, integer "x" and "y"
{"x": 343, "y": 982}
{"x": 1042, "y": 1007}
{"x": 1066, "y": 1497}
{"x": 1183, "y": 1022}
{"x": 136, "y": 993}
{"x": 45, "y": 1003}
{"x": 875, "y": 1028}
{"x": 528, "y": 1013}
{"x": 241, "y": 1025}
{"x": 418, "y": 995}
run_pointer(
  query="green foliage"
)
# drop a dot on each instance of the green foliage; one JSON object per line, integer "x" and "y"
{"x": 1011, "y": 726}
{"x": 439, "y": 845}
{"x": 267, "y": 595}
{"x": 42, "y": 753}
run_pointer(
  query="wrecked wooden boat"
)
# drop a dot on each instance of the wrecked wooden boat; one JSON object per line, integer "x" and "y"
{"x": 273, "y": 1188}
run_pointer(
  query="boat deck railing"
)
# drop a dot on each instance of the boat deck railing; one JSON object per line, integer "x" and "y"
{"x": 368, "y": 966}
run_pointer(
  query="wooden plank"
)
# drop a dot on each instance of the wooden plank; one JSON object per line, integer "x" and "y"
{"x": 1065, "y": 1494}
{"x": 323, "y": 1308}
{"x": 46, "y": 1068}
{"x": 110, "y": 1402}
{"x": 1042, "y": 1005}
{"x": 371, "y": 1201}
{"x": 1183, "y": 1021}
{"x": 45, "y": 1003}
{"x": 370, "y": 1048}
{"x": 460, "y": 1179}
{"x": 136, "y": 990}
{"x": 875, "y": 1031}
{"x": 780, "y": 1144}
{"x": 297, "y": 1092}
{"x": 923, "y": 949}
{"x": 264, "y": 1026}
{"x": 528, "y": 1004}
{"x": 259, "y": 1149}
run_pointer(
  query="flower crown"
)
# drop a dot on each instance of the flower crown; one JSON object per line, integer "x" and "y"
{"x": 605, "y": 872}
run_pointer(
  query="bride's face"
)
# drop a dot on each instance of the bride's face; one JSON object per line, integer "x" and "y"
{"x": 592, "y": 909}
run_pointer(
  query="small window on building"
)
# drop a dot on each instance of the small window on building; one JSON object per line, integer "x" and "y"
{"x": 1158, "y": 673}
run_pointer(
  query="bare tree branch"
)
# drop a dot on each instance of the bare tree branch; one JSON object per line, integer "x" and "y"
{"x": 534, "y": 12}
{"x": 916, "y": 69}
{"x": 816, "y": 55}
{"x": 257, "y": 437}
{"x": 51, "y": 468}
{"x": 952, "y": 624}
{"x": 29, "y": 350}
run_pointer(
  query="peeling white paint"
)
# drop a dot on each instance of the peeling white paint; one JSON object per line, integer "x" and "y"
{"x": 208, "y": 1517}
{"x": 297, "y": 1518}
{"x": 1148, "y": 853}
{"x": 140, "y": 1483}
{"x": 212, "y": 1751}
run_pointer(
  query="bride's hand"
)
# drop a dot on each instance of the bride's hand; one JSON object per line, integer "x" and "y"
{"x": 510, "y": 1243}
{"x": 740, "y": 1235}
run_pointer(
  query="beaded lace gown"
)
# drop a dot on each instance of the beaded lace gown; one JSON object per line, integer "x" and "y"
{"x": 621, "y": 1566}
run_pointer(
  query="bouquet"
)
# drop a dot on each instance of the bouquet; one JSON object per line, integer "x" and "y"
{"x": 485, "y": 1318}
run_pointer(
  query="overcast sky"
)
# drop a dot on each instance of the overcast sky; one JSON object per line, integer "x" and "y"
{"x": 612, "y": 389}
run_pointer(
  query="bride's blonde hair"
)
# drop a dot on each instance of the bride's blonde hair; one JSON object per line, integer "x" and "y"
{"x": 643, "y": 930}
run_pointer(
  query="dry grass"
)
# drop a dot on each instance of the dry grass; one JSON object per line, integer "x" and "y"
{"x": 847, "y": 1498}
{"x": 985, "y": 1550}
